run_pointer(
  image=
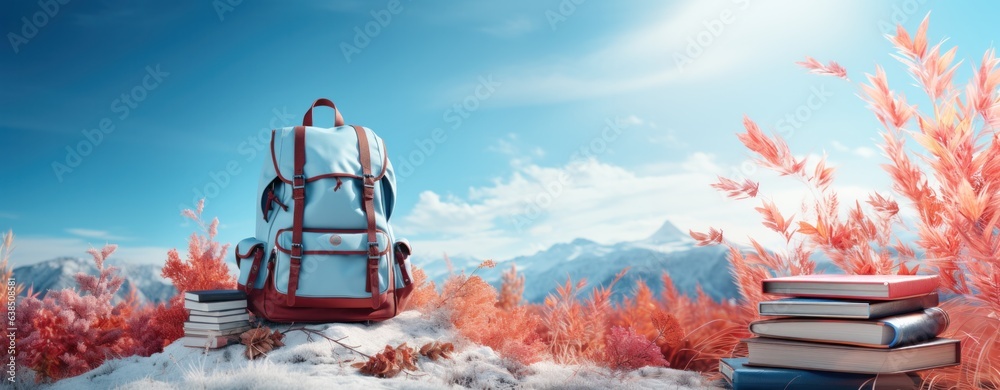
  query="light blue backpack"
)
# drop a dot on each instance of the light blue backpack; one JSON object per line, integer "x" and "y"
{"x": 324, "y": 250}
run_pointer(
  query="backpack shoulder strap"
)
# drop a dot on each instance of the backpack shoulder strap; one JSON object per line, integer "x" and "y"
{"x": 369, "y": 208}
{"x": 299, "y": 196}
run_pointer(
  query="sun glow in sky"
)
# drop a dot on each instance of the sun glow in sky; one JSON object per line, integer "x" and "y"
{"x": 511, "y": 125}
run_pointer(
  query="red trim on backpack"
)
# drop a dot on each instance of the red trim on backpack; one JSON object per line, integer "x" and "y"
{"x": 299, "y": 196}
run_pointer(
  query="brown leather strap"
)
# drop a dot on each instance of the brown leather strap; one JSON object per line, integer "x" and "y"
{"x": 338, "y": 120}
{"x": 401, "y": 256}
{"x": 258, "y": 256}
{"x": 299, "y": 196}
{"x": 368, "y": 203}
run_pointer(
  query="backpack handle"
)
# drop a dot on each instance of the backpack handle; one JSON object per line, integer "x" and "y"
{"x": 307, "y": 120}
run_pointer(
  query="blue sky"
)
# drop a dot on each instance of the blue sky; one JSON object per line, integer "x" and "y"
{"x": 557, "y": 120}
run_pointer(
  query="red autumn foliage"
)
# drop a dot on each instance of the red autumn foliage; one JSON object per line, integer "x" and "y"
{"x": 67, "y": 333}
{"x": 390, "y": 362}
{"x": 831, "y": 69}
{"x": 471, "y": 304}
{"x": 626, "y": 350}
{"x": 671, "y": 330}
{"x": 204, "y": 269}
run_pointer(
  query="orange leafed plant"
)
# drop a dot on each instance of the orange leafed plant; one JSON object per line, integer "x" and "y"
{"x": 691, "y": 333}
{"x": 204, "y": 269}
{"x": 950, "y": 181}
{"x": 472, "y": 305}
{"x": 6, "y": 270}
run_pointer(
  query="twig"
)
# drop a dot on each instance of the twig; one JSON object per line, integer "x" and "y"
{"x": 320, "y": 334}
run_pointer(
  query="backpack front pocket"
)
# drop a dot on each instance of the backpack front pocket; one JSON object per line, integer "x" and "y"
{"x": 251, "y": 260}
{"x": 334, "y": 264}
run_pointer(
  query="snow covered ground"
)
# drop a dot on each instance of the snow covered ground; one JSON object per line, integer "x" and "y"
{"x": 316, "y": 363}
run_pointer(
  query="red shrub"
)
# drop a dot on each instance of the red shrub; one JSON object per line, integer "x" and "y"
{"x": 68, "y": 334}
{"x": 626, "y": 350}
{"x": 472, "y": 307}
{"x": 204, "y": 269}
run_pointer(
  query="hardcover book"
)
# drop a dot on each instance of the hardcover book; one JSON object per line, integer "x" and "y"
{"x": 208, "y": 332}
{"x": 204, "y": 326}
{"x": 214, "y": 295}
{"x": 889, "y": 332}
{"x": 873, "y": 287}
{"x": 222, "y": 313}
{"x": 840, "y": 308}
{"x": 219, "y": 320}
{"x": 215, "y": 306}
{"x": 206, "y": 342}
{"x": 940, "y": 352}
{"x": 744, "y": 377}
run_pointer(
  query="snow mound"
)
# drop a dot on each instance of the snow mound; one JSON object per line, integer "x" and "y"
{"x": 311, "y": 362}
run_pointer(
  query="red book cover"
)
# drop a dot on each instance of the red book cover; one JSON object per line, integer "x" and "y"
{"x": 874, "y": 287}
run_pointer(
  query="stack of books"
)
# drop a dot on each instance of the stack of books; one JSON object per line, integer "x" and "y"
{"x": 845, "y": 331}
{"x": 215, "y": 318}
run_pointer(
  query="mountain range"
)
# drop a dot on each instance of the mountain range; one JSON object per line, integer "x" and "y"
{"x": 667, "y": 250}
{"x": 60, "y": 273}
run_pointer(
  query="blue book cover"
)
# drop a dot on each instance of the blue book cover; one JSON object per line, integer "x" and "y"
{"x": 743, "y": 377}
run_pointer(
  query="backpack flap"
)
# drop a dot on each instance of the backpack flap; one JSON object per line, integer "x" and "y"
{"x": 250, "y": 255}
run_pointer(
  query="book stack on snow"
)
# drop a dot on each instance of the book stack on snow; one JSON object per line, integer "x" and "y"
{"x": 845, "y": 331}
{"x": 215, "y": 318}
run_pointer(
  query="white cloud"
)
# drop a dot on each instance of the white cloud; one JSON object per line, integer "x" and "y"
{"x": 95, "y": 234}
{"x": 648, "y": 55}
{"x": 511, "y": 147}
{"x": 666, "y": 137}
{"x": 511, "y": 27}
{"x": 505, "y": 145}
{"x": 33, "y": 249}
{"x": 632, "y": 120}
{"x": 539, "y": 206}
{"x": 862, "y": 151}
{"x": 865, "y": 152}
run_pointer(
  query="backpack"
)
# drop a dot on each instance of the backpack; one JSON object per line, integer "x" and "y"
{"x": 324, "y": 250}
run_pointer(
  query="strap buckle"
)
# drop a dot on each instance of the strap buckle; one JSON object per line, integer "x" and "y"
{"x": 373, "y": 251}
{"x": 298, "y": 182}
{"x": 296, "y": 251}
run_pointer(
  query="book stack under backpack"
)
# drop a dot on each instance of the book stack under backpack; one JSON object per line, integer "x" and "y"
{"x": 215, "y": 318}
{"x": 845, "y": 331}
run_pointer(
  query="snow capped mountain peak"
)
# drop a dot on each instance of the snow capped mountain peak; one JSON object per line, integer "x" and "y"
{"x": 60, "y": 273}
{"x": 667, "y": 233}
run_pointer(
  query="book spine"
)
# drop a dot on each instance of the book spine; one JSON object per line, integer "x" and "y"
{"x": 888, "y": 308}
{"x": 917, "y": 327}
